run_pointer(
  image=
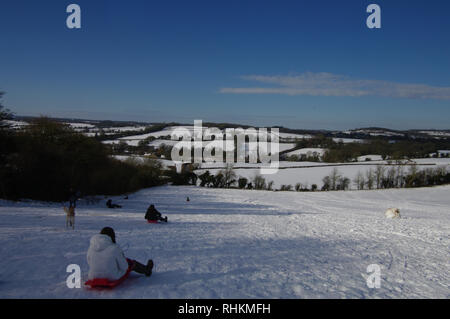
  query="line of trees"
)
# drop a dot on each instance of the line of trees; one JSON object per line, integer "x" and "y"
{"x": 224, "y": 178}
{"x": 399, "y": 177}
{"x": 227, "y": 178}
{"x": 46, "y": 159}
{"x": 338, "y": 152}
{"x": 101, "y": 136}
{"x": 382, "y": 177}
{"x": 335, "y": 181}
{"x": 308, "y": 157}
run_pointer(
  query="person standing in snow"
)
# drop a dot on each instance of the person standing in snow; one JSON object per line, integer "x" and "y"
{"x": 107, "y": 260}
{"x": 152, "y": 214}
{"x": 73, "y": 197}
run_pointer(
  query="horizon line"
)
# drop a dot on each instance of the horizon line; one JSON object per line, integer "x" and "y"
{"x": 232, "y": 123}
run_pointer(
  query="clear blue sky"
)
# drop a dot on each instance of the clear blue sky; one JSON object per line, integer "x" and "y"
{"x": 300, "y": 64}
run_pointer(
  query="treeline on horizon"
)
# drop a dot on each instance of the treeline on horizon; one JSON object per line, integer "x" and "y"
{"x": 338, "y": 152}
{"x": 383, "y": 177}
{"x": 46, "y": 159}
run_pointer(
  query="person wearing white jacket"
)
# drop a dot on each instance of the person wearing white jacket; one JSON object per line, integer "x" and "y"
{"x": 106, "y": 259}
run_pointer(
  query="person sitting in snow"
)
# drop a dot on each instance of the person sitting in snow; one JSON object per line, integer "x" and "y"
{"x": 153, "y": 215}
{"x": 106, "y": 259}
{"x": 110, "y": 204}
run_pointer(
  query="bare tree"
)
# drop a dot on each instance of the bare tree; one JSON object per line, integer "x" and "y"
{"x": 334, "y": 178}
{"x": 391, "y": 180}
{"x": 343, "y": 183}
{"x": 412, "y": 176}
{"x": 326, "y": 183}
{"x": 370, "y": 179}
{"x": 379, "y": 174}
{"x": 359, "y": 180}
{"x": 400, "y": 179}
{"x": 259, "y": 182}
{"x": 229, "y": 176}
{"x": 5, "y": 114}
{"x": 286, "y": 188}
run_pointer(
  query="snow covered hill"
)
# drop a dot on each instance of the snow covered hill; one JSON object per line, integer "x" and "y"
{"x": 239, "y": 244}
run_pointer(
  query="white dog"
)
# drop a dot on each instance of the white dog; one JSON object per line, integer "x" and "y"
{"x": 392, "y": 213}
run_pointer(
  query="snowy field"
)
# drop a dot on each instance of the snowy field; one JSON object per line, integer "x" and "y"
{"x": 307, "y": 151}
{"x": 306, "y": 173}
{"x": 158, "y": 142}
{"x": 239, "y": 244}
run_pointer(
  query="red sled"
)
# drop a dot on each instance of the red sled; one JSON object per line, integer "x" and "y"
{"x": 152, "y": 221}
{"x": 106, "y": 283}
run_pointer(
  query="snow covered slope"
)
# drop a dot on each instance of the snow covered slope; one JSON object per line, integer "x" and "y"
{"x": 239, "y": 244}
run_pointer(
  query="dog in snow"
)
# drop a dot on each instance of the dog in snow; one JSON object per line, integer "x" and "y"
{"x": 392, "y": 213}
{"x": 70, "y": 217}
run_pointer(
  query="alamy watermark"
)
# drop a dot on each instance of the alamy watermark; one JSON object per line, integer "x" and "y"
{"x": 374, "y": 19}
{"x": 231, "y": 146}
{"x": 74, "y": 279}
{"x": 73, "y": 21}
{"x": 374, "y": 279}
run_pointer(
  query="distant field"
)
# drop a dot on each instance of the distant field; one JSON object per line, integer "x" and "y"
{"x": 308, "y": 173}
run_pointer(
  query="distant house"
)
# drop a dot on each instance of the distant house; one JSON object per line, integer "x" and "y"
{"x": 443, "y": 153}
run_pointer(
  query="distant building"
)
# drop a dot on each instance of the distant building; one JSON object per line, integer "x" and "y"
{"x": 443, "y": 153}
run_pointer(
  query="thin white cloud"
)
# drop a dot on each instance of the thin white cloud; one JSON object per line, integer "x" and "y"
{"x": 327, "y": 84}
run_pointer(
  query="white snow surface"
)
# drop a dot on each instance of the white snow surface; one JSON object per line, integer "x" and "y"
{"x": 16, "y": 124}
{"x": 80, "y": 125}
{"x": 168, "y": 131}
{"x": 370, "y": 158}
{"x": 238, "y": 244}
{"x": 158, "y": 142}
{"x": 347, "y": 140}
{"x": 307, "y": 151}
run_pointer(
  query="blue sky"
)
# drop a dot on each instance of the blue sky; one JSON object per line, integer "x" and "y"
{"x": 300, "y": 64}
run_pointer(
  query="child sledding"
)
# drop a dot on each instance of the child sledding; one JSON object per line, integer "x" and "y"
{"x": 108, "y": 266}
{"x": 153, "y": 216}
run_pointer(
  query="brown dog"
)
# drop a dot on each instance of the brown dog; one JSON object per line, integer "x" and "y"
{"x": 70, "y": 217}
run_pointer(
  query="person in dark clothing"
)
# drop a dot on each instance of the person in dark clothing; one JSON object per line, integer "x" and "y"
{"x": 73, "y": 197}
{"x": 153, "y": 215}
{"x": 106, "y": 259}
{"x": 110, "y": 204}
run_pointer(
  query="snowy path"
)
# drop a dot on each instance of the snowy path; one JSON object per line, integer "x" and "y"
{"x": 239, "y": 244}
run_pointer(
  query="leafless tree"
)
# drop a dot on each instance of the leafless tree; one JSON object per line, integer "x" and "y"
{"x": 370, "y": 179}
{"x": 359, "y": 180}
{"x": 379, "y": 174}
